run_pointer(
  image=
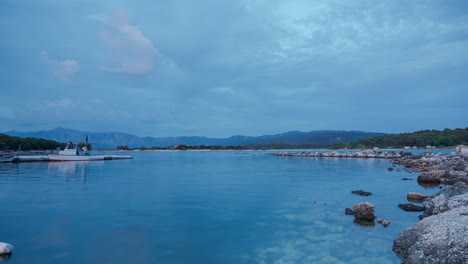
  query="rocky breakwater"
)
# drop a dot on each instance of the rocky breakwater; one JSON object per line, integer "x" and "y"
{"x": 369, "y": 154}
{"x": 441, "y": 235}
{"x": 438, "y": 168}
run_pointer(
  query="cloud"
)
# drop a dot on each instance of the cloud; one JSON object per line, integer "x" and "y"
{"x": 60, "y": 104}
{"x": 64, "y": 70}
{"x": 127, "y": 46}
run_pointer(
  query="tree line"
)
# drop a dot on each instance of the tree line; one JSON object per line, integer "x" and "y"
{"x": 423, "y": 138}
{"x": 13, "y": 143}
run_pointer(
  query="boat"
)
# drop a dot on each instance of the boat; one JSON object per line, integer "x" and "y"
{"x": 71, "y": 153}
{"x": 4, "y": 158}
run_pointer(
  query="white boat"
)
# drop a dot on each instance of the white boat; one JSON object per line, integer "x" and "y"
{"x": 10, "y": 159}
{"x": 71, "y": 153}
{"x": 4, "y": 158}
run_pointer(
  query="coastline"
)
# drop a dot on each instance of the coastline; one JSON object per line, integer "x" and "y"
{"x": 445, "y": 212}
{"x": 440, "y": 236}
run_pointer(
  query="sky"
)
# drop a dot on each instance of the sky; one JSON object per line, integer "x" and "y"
{"x": 233, "y": 67}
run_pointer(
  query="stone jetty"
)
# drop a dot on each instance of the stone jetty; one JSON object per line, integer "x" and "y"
{"x": 365, "y": 154}
{"x": 40, "y": 158}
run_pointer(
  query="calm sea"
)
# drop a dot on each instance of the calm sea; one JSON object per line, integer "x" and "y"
{"x": 201, "y": 207}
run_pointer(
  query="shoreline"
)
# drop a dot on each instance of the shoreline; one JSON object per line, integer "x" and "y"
{"x": 39, "y": 152}
{"x": 440, "y": 236}
{"x": 445, "y": 212}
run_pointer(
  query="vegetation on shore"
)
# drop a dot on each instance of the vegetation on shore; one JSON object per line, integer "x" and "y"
{"x": 423, "y": 138}
{"x": 13, "y": 143}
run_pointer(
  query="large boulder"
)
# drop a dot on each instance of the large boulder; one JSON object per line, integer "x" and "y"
{"x": 364, "y": 211}
{"x": 5, "y": 248}
{"x": 448, "y": 198}
{"x": 437, "y": 239}
{"x": 426, "y": 178}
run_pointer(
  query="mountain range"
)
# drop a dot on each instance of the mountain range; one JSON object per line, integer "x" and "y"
{"x": 114, "y": 139}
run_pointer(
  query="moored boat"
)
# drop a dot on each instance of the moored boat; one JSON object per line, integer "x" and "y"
{"x": 7, "y": 157}
{"x": 71, "y": 153}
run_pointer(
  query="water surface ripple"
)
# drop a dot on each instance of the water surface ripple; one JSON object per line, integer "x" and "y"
{"x": 201, "y": 207}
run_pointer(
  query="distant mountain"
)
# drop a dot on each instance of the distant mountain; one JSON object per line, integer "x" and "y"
{"x": 113, "y": 139}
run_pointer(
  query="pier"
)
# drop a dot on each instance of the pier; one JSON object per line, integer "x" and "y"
{"x": 44, "y": 158}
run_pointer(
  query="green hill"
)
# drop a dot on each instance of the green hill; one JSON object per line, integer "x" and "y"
{"x": 12, "y": 143}
{"x": 444, "y": 138}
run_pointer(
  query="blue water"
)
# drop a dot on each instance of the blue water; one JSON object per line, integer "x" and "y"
{"x": 201, "y": 207}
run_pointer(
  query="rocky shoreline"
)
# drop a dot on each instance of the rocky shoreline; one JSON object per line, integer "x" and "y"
{"x": 442, "y": 234}
{"x": 364, "y": 154}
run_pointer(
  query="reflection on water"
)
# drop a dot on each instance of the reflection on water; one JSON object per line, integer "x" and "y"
{"x": 364, "y": 223}
{"x": 5, "y": 258}
{"x": 74, "y": 169}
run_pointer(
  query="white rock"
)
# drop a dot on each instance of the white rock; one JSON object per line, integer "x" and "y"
{"x": 5, "y": 248}
{"x": 462, "y": 150}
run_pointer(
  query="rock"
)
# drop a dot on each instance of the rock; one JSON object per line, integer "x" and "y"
{"x": 453, "y": 181}
{"x": 361, "y": 192}
{"x": 385, "y": 223}
{"x": 5, "y": 248}
{"x": 415, "y": 197}
{"x": 446, "y": 165}
{"x": 349, "y": 211}
{"x": 438, "y": 173}
{"x": 459, "y": 167}
{"x": 426, "y": 178}
{"x": 437, "y": 239}
{"x": 390, "y": 169}
{"x": 411, "y": 207}
{"x": 405, "y": 153}
{"x": 448, "y": 198}
{"x": 406, "y": 179}
{"x": 462, "y": 150}
{"x": 364, "y": 211}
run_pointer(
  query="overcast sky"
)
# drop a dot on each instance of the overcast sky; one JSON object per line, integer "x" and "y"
{"x": 220, "y": 68}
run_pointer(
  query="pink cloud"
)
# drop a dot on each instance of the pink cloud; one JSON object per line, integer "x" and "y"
{"x": 127, "y": 46}
{"x": 64, "y": 70}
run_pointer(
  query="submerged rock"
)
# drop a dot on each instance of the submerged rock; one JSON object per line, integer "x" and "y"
{"x": 437, "y": 239}
{"x": 349, "y": 211}
{"x": 361, "y": 192}
{"x": 411, "y": 207}
{"x": 364, "y": 211}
